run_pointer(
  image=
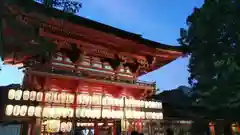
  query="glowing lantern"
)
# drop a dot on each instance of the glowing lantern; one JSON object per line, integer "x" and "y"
{"x": 63, "y": 126}
{"x": 46, "y": 111}
{"x": 11, "y": 94}
{"x": 16, "y": 110}
{"x": 33, "y": 95}
{"x": 48, "y": 97}
{"x": 23, "y": 110}
{"x": 96, "y": 99}
{"x": 69, "y": 126}
{"x": 26, "y": 95}
{"x": 159, "y": 105}
{"x": 63, "y": 97}
{"x": 39, "y": 96}
{"x": 9, "y": 110}
{"x": 38, "y": 111}
{"x": 56, "y": 97}
{"x": 18, "y": 94}
{"x": 70, "y": 98}
{"x": 69, "y": 112}
{"x": 31, "y": 110}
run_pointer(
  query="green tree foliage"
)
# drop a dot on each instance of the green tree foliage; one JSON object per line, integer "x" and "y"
{"x": 71, "y": 6}
{"x": 212, "y": 39}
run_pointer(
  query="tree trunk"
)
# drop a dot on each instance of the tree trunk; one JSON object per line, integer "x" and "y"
{"x": 199, "y": 127}
{"x": 227, "y": 128}
{"x": 219, "y": 127}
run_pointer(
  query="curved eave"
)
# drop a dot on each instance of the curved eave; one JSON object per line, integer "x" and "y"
{"x": 162, "y": 61}
{"x": 78, "y": 20}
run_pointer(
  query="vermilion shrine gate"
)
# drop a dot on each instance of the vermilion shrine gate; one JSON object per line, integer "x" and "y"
{"x": 80, "y": 74}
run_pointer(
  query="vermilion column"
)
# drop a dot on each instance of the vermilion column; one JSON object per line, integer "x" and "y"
{"x": 139, "y": 126}
{"x": 96, "y": 129}
{"x": 114, "y": 128}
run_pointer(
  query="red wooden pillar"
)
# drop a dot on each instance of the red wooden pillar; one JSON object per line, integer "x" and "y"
{"x": 114, "y": 126}
{"x": 139, "y": 126}
{"x": 96, "y": 129}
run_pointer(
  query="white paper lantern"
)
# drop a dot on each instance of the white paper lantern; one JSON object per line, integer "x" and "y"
{"x": 88, "y": 100}
{"x": 63, "y": 97}
{"x": 64, "y": 113}
{"x": 33, "y": 95}
{"x": 9, "y": 110}
{"x": 39, "y": 96}
{"x": 51, "y": 112}
{"x": 18, "y": 94}
{"x": 51, "y": 97}
{"x": 82, "y": 112}
{"x": 23, "y": 110}
{"x": 63, "y": 126}
{"x": 26, "y": 95}
{"x": 58, "y": 112}
{"x": 96, "y": 99}
{"x": 142, "y": 115}
{"x": 88, "y": 111}
{"x": 141, "y": 103}
{"x": 47, "y": 97}
{"x": 147, "y": 104}
{"x": 31, "y": 110}
{"x": 79, "y": 99}
{"x": 104, "y": 101}
{"x": 127, "y": 103}
{"x": 16, "y": 110}
{"x": 38, "y": 111}
{"x": 70, "y": 98}
{"x": 159, "y": 105}
{"x": 160, "y": 116}
{"x": 121, "y": 102}
{"x": 56, "y": 97}
{"x": 110, "y": 101}
{"x": 11, "y": 94}
{"x": 70, "y": 112}
{"x": 78, "y": 113}
{"x": 46, "y": 111}
{"x": 69, "y": 126}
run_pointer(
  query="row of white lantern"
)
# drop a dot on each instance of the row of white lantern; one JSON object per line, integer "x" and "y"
{"x": 97, "y": 99}
{"x": 134, "y": 103}
{"x": 107, "y": 100}
{"x": 130, "y": 114}
{"x": 57, "y": 112}
{"x": 54, "y": 126}
{"x": 87, "y": 99}
{"x": 25, "y": 95}
{"x": 154, "y": 115}
{"x": 112, "y": 114}
{"x": 23, "y": 110}
{"x": 152, "y": 104}
{"x": 88, "y": 113}
{"x": 50, "y": 97}
{"x": 85, "y": 124}
{"x": 56, "y": 97}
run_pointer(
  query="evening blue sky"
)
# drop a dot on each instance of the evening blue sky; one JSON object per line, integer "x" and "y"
{"x": 158, "y": 20}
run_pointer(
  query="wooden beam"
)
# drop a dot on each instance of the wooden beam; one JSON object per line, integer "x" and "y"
{"x": 133, "y": 86}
